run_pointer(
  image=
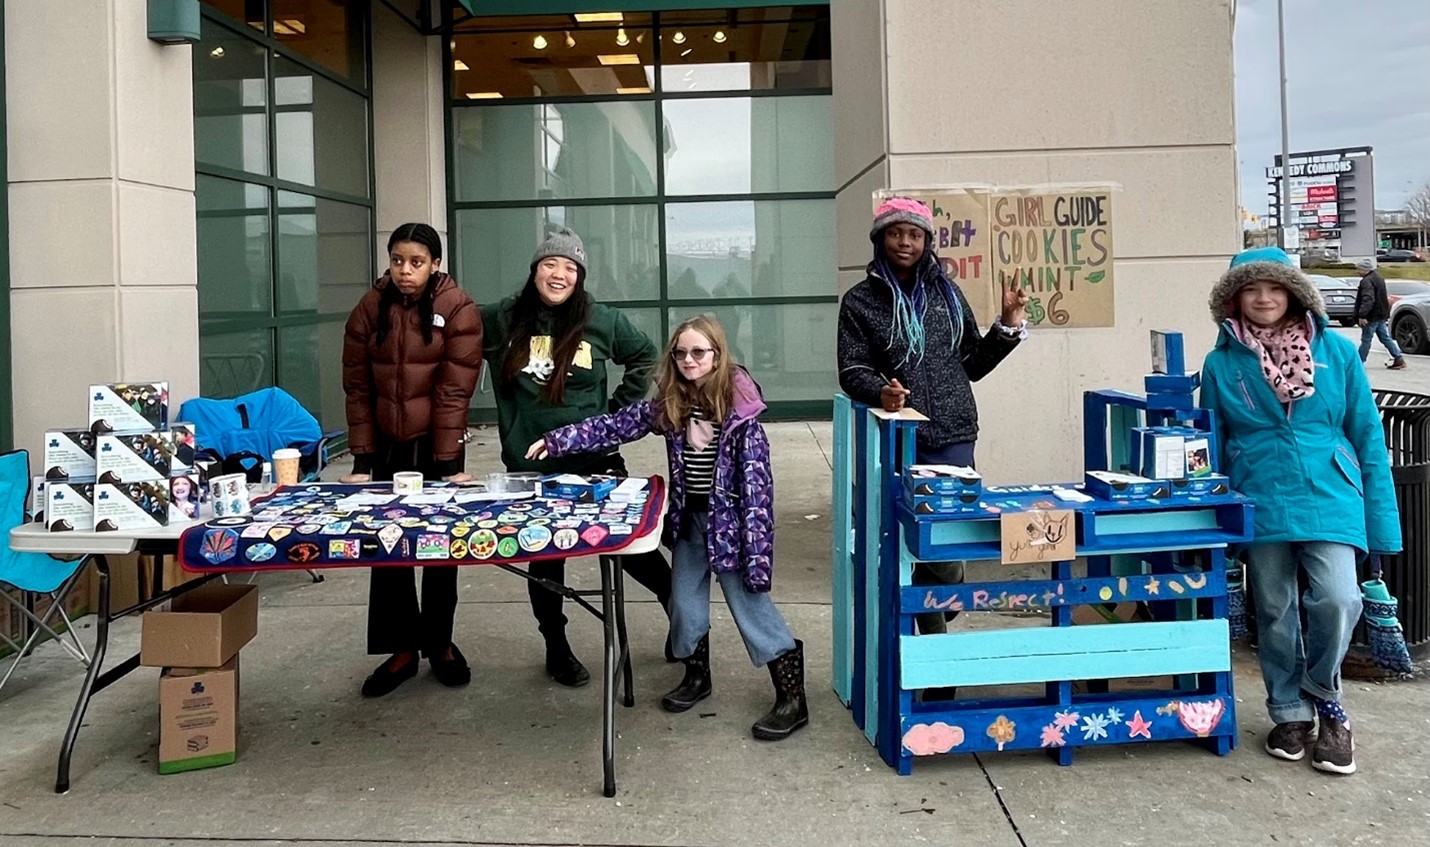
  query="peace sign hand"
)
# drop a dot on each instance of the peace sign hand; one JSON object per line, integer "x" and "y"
{"x": 1015, "y": 305}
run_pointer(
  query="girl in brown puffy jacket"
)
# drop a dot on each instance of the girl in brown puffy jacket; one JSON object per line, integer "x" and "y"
{"x": 412, "y": 353}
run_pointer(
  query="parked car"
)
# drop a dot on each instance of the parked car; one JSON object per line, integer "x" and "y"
{"x": 1398, "y": 288}
{"x": 1340, "y": 296}
{"x": 1409, "y": 318}
{"x": 1400, "y": 256}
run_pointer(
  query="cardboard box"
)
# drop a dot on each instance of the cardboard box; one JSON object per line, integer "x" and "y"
{"x": 185, "y": 438}
{"x": 1212, "y": 485}
{"x": 1110, "y": 485}
{"x": 140, "y": 505}
{"x": 1168, "y": 356}
{"x": 144, "y": 457}
{"x": 1096, "y": 613}
{"x": 945, "y": 504}
{"x": 942, "y": 479}
{"x": 69, "y": 454}
{"x": 202, "y": 629}
{"x": 198, "y": 717}
{"x": 592, "y": 489}
{"x": 69, "y": 505}
{"x": 129, "y": 407}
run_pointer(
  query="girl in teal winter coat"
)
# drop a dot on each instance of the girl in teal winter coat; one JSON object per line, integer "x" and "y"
{"x": 1300, "y": 434}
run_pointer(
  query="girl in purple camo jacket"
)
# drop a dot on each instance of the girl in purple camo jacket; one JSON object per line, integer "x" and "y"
{"x": 720, "y": 517}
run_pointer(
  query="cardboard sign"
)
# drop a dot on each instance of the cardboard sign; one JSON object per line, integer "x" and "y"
{"x": 1056, "y": 246}
{"x": 1040, "y": 535}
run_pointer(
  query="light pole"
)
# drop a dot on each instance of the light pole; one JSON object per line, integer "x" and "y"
{"x": 1283, "y": 215}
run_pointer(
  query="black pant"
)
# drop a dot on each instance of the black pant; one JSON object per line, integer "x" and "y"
{"x": 395, "y": 622}
{"x": 649, "y": 569}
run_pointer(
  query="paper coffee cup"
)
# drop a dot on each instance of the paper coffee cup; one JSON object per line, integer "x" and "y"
{"x": 285, "y": 466}
{"x": 407, "y": 482}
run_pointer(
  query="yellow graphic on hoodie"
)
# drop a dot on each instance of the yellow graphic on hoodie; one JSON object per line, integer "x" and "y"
{"x": 540, "y": 365}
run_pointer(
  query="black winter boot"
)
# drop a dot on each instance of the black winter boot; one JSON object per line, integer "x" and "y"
{"x": 790, "y": 711}
{"x": 696, "y": 684}
{"x": 563, "y": 666}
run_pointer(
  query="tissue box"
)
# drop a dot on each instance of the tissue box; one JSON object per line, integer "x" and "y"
{"x": 69, "y": 454}
{"x": 1109, "y": 485}
{"x": 129, "y": 407}
{"x": 942, "y": 479}
{"x": 1211, "y": 485}
{"x": 186, "y": 442}
{"x": 592, "y": 489}
{"x": 186, "y": 495}
{"x": 145, "y": 457}
{"x": 131, "y": 506}
{"x": 69, "y": 505}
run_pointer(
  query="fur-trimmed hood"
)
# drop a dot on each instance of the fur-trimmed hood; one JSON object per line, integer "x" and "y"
{"x": 1265, "y": 264}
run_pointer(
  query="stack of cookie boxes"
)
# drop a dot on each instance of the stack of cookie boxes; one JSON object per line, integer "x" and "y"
{"x": 127, "y": 470}
{"x": 942, "y": 489}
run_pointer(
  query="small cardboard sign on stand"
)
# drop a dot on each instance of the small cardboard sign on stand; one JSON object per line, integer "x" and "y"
{"x": 1038, "y": 535}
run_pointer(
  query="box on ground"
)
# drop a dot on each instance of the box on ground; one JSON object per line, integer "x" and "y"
{"x": 69, "y": 454}
{"x": 131, "y": 506}
{"x": 69, "y": 506}
{"x": 129, "y": 407}
{"x": 202, "y": 628}
{"x": 198, "y": 717}
{"x": 143, "y": 457}
{"x": 592, "y": 489}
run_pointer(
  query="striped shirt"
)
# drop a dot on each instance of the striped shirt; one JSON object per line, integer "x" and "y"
{"x": 700, "y": 464}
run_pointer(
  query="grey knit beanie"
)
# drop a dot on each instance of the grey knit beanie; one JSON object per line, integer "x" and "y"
{"x": 564, "y": 243}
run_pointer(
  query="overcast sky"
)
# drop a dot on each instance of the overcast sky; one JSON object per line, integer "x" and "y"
{"x": 1358, "y": 74}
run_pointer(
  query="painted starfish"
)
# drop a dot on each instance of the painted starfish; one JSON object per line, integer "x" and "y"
{"x": 1137, "y": 727}
{"x": 1153, "y": 586}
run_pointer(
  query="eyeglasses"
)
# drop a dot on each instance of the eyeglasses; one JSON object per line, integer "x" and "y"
{"x": 696, "y": 353}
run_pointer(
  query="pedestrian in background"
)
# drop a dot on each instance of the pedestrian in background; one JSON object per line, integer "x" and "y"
{"x": 1373, "y": 313}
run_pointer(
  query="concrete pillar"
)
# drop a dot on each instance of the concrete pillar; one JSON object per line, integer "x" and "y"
{"x": 409, "y": 153}
{"x": 1019, "y": 92}
{"x": 103, "y": 262}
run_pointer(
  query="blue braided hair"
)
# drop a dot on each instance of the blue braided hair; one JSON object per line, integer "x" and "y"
{"x": 909, "y": 307}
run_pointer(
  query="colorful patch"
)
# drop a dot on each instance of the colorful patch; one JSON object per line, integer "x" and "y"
{"x": 458, "y": 548}
{"x": 533, "y": 539}
{"x": 219, "y": 545}
{"x": 507, "y": 547}
{"x": 344, "y": 548}
{"x": 278, "y": 533}
{"x": 338, "y": 528}
{"x": 594, "y": 535}
{"x": 508, "y": 529}
{"x": 440, "y": 520}
{"x": 539, "y": 522}
{"x": 519, "y": 507}
{"x": 568, "y": 524}
{"x": 304, "y": 552}
{"x": 260, "y": 552}
{"x": 487, "y": 524}
{"x": 256, "y": 530}
{"x": 483, "y": 544}
{"x": 511, "y": 518}
{"x": 461, "y": 530}
{"x": 369, "y": 548}
{"x": 433, "y": 546}
{"x": 389, "y": 536}
{"x": 411, "y": 522}
{"x": 565, "y": 538}
{"x": 309, "y": 529}
{"x": 325, "y": 519}
{"x": 621, "y": 529}
{"x": 395, "y": 514}
{"x": 233, "y": 521}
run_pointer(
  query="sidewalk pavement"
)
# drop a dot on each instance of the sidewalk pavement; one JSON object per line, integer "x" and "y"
{"x": 515, "y": 759}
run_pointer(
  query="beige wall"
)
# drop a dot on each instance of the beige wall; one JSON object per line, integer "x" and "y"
{"x": 408, "y": 136}
{"x": 103, "y": 265}
{"x": 1026, "y": 92}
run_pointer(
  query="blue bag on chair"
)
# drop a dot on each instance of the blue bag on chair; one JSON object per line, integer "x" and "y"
{"x": 247, "y": 429}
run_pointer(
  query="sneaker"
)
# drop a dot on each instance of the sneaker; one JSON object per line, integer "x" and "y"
{"x": 1335, "y": 748}
{"x": 1288, "y": 740}
{"x": 1397, "y": 364}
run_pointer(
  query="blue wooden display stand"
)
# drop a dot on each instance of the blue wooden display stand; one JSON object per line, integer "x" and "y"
{"x": 1168, "y": 553}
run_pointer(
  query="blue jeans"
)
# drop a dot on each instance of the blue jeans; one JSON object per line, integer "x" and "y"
{"x": 1381, "y": 330}
{"x": 1295, "y": 663}
{"x": 766, "y": 635}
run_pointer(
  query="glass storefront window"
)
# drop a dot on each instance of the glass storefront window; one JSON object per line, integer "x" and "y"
{"x": 622, "y": 248}
{"x": 789, "y": 348}
{"x": 751, "y": 50}
{"x": 310, "y": 368}
{"x": 230, "y": 101}
{"x": 553, "y": 55}
{"x": 750, "y": 248}
{"x": 745, "y": 145}
{"x": 233, "y": 248}
{"x": 324, "y": 254}
{"x": 321, "y": 131}
{"x": 549, "y": 151}
{"x": 233, "y": 363}
{"x": 248, "y": 12}
{"x": 328, "y": 32}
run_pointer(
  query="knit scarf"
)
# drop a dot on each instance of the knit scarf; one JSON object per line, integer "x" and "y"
{"x": 1285, "y": 353}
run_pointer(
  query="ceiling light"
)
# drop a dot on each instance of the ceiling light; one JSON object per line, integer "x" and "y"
{"x": 459, "y": 65}
{"x": 599, "y": 17}
{"x": 296, "y": 26}
{"x": 217, "y": 52}
{"x": 640, "y": 38}
{"x": 719, "y": 36}
{"x": 619, "y": 59}
{"x": 679, "y": 37}
{"x": 621, "y": 38}
{"x": 539, "y": 42}
{"x": 483, "y": 95}
{"x": 686, "y": 52}
{"x": 644, "y": 89}
{"x": 570, "y": 42}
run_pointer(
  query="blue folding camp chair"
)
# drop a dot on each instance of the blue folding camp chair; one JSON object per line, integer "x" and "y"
{"x": 33, "y": 572}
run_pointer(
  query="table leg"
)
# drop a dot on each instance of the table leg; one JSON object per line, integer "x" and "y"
{"x": 101, "y": 644}
{"x": 619, "y": 574}
{"x": 608, "y": 700}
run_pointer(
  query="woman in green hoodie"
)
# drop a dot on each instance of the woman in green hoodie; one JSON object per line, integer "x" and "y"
{"x": 548, "y": 346}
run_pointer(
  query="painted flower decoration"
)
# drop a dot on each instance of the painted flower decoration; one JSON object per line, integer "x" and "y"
{"x": 1002, "y": 730}
{"x": 1066, "y": 720}
{"x": 1114, "y": 715}
{"x": 1053, "y": 736}
{"x": 1094, "y": 727}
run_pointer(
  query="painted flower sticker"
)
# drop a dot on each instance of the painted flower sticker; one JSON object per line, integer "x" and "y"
{"x": 1053, "y": 736}
{"x": 1094, "y": 727}
{"x": 1066, "y": 720}
{"x": 1002, "y": 731}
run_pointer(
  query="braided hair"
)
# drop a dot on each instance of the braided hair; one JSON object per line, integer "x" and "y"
{"x": 909, "y": 307}
{"x": 424, "y": 236}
